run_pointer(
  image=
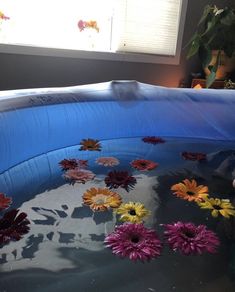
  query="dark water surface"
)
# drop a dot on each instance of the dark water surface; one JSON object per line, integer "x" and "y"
{"x": 64, "y": 249}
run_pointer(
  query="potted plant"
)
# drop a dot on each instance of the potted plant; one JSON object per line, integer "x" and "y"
{"x": 214, "y": 42}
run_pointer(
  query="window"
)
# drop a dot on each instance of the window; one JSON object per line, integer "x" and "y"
{"x": 133, "y": 30}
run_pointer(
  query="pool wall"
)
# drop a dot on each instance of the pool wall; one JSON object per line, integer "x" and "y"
{"x": 36, "y": 121}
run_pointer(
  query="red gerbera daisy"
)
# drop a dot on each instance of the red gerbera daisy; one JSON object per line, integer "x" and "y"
{"x": 190, "y": 239}
{"x": 153, "y": 140}
{"x": 5, "y": 202}
{"x": 13, "y": 226}
{"x": 134, "y": 241}
{"x": 194, "y": 156}
{"x": 68, "y": 164}
{"x": 73, "y": 163}
{"x": 121, "y": 179}
{"x": 143, "y": 164}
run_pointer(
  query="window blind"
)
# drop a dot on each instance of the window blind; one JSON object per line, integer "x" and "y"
{"x": 149, "y": 26}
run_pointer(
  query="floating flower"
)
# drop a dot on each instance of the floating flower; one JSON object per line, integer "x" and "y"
{"x": 13, "y": 226}
{"x": 68, "y": 164}
{"x": 190, "y": 239}
{"x": 190, "y": 191}
{"x": 121, "y": 179}
{"x": 101, "y": 199}
{"x": 218, "y": 207}
{"x": 194, "y": 156}
{"x": 79, "y": 175}
{"x": 143, "y": 164}
{"x": 107, "y": 161}
{"x": 82, "y": 163}
{"x": 134, "y": 241}
{"x": 90, "y": 145}
{"x": 5, "y": 202}
{"x": 73, "y": 163}
{"x": 132, "y": 212}
{"x": 153, "y": 140}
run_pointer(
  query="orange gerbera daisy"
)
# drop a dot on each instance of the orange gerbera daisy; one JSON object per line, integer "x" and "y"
{"x": 190, "y": 191}
{"x": 90, "y": 145}
{"x": 101, "y": 199}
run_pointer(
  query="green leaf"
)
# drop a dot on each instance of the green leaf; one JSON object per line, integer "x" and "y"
{"x": 191, "y": 40}
{"x": 205, "y": 55}
{"x": 229, "y": 19}
{"x": 194, "y": 46}
{"x": 210, "y": 25}
{"x": 217, "y": 63}
{"x": 229, "y": 50}
{"x": 210, "y": 79}
{"x": 206, "y": 12}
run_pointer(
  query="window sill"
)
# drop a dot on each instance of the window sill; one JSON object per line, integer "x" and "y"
{"x": 109, "y": 56}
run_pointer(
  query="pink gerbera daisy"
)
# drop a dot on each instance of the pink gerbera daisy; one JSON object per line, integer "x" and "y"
{"x": 107, "y": 161}
{"x": 153, "y": 140}
{"x": 79, "y": 175}
{"x": 143, "y": 164}
{"x": 134, "y": 241}
{"x": 190, "y": 239}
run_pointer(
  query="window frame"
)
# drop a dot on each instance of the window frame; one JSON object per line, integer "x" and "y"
{"x": 108, "y": 56}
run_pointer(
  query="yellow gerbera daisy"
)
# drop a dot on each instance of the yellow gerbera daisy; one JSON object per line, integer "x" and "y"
{"x": 190, "y": 191}
{"x": 101, "y": 199}
{"x": 218, "y": 206}
{"x": 132, "y": 212}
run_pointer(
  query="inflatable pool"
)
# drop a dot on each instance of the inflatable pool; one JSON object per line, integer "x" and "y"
{"x": 117, "y": 186}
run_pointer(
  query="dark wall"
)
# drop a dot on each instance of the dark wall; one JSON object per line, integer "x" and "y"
{"x": 21, "y": 71}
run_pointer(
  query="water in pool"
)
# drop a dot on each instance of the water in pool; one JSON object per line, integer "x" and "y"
{"x": 138, "y": 214}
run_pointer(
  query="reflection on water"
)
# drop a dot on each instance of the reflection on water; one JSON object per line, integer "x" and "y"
{"x": 64, "y": 249}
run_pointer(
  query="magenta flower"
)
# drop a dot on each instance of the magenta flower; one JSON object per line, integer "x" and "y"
{"x": 79, "y": 175}
{"x": 134, "y": 241}
{"x": 13, "y": 226}
{"x": 190, "y": 239}
{"x": 122, "y": 179}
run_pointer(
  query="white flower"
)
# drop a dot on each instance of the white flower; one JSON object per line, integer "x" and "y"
{"x": 217, "y": 11}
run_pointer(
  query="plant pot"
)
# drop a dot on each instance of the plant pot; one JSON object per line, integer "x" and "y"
{"x": 226, "y": 66}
